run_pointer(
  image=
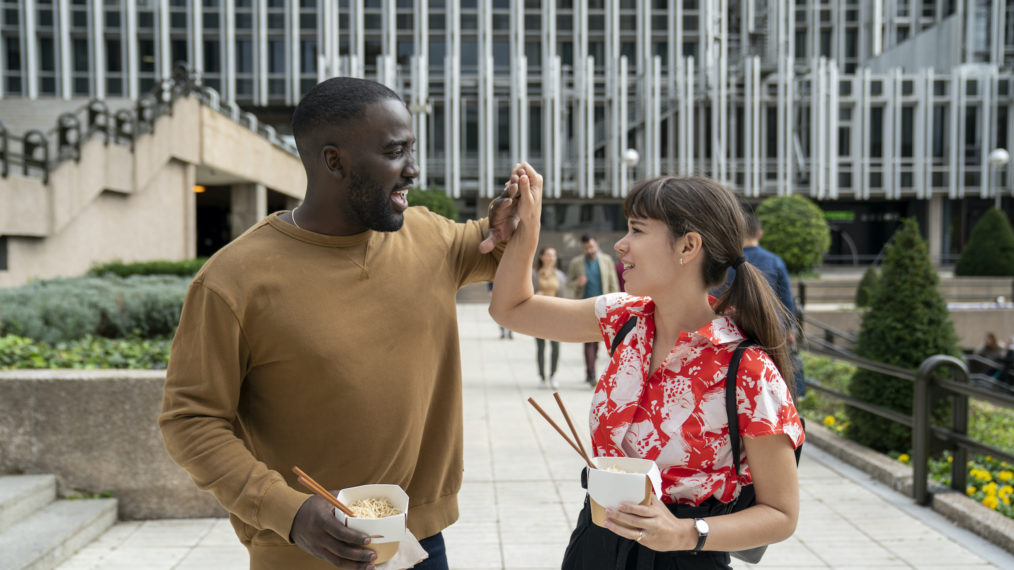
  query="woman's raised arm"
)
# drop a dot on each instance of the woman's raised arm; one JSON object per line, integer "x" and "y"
{"x": 514, "y": 304}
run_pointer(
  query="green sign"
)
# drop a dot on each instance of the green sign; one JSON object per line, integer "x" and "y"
{"x": 840, "y": 215}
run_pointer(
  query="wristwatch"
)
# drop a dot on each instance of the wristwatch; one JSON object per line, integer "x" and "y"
{"x": 702, "y": 533}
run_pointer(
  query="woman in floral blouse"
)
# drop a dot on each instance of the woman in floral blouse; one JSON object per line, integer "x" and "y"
{"x": 662, "y": 397}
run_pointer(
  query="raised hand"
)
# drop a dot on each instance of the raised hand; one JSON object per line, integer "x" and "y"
{"x": 503, "y": 217}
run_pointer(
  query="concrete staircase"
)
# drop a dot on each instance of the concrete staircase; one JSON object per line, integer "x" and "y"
{"x": 38, "y": 532}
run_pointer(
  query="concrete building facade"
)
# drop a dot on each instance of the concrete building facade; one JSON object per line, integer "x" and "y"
{"x": 877, "y": 110}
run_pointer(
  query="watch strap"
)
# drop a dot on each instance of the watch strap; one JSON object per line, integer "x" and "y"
{"x": 701, "y": 536}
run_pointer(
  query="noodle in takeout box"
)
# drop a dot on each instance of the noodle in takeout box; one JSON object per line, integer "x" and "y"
{"x": 611, "y": 480}
{"x": 387, "y": 531}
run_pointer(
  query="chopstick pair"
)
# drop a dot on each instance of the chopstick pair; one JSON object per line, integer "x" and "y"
{"x": 576, "y": 444}
{"x": 319, "y": 489}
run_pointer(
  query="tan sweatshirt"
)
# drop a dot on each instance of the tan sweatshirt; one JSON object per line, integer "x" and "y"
{"x": 287, "y": 353}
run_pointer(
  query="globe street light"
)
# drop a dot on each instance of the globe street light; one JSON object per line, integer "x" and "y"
{"x": 998, "y": 159}
{"x": 630, "y": 159}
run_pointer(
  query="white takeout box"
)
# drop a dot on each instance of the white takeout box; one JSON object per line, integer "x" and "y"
{"x": 607, "y": 489}
{"x": 387, "y": 531}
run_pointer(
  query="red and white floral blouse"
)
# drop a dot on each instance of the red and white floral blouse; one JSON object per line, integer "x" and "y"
{"x": 677, "y": 417}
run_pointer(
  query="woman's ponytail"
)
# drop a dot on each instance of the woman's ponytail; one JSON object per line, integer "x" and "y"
{"x": 761, "y": 315}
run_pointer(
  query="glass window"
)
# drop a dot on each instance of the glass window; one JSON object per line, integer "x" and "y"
{"x": 114, "y": 59}
{"x": 244, "y": 56}
{"x": 212, "y": 57}
{"x": 308, "y": 56}
{"x": 876, "y": 132}
{"x": 276, "y": 56}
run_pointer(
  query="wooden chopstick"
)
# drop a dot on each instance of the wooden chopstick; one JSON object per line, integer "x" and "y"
{"x": 577, "y": 438}
{"x": 317, "y": 488}
{"x": 560, "y": 431}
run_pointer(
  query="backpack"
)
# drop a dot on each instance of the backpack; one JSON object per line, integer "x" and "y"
{"x": 747, "y": 498}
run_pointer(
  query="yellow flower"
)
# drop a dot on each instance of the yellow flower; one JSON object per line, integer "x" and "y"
{"x": 1006, "y": 501}
{"x": 990, "y": 502}
{"x": 989, "y": 489}
{"x": 1005, "y": 475}
{"x": 989, "y": 458}
{"x": 829, "y": 421}
{"x": 970, "y": 490}
{"x": 950, "y": 459}
{"x": 904, "y": 458}
{"x": 1005, "y": 491}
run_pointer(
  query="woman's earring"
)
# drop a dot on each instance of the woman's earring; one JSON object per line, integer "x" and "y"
{"x": 681, "y": 262}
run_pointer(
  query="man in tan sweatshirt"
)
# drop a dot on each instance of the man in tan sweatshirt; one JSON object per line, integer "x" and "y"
{"x": 326, "y": 337}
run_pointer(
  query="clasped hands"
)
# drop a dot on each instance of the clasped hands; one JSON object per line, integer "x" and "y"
{"x": 504, "y": 213}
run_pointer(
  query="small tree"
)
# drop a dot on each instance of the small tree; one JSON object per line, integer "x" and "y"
{"x": 795, "y": 230}
{"x": 907, "y": 322}
{"x": 435, "y": 199}
{"x": 990, "y": 248}
{"x": 866, "y": 285}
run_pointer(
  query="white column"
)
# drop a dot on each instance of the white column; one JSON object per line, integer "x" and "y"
{"x": 163, "y": 46}
{"x": 260, "y": 50}
{"x": 518, "y": 83}
{"x": 420, "y": 90}
{"x": 97, "y": 42}
{"x": 619, "y": 187}
{"x": 956, "y": 131}
{"x": 63, "y": 53}
{"x": 30, "y": 45}
{"x": 831, "y": 117}
{"x": 487, "y": 103}
{"x": 588, "y": 155}
{"x": 293, "y": 90}
{"x": 452, "y": 74}
{"x": 356, "y": 41}
{"x": 229, "y": 67}
{"x": 551, "y": 107}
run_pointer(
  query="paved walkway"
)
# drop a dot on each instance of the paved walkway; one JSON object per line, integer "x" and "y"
{"x": 521, "y": 496}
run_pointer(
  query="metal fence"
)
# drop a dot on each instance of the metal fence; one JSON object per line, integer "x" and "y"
{"x": 938, "y": 376}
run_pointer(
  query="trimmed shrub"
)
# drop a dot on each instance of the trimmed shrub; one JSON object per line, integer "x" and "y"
{"x": 435, "y": 199}
{"x": 795, "y": 230}
{"x": 87, "y": 352}
{"x": 990, "y": 247}
{"x": 864, "y": 291}
{"x": 58, "y": 310}
{"x": 184, "y": 268}
{"x": 907, "y": 321}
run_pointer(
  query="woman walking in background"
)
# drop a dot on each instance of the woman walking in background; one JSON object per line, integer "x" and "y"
{"x": 548, "y": 280}
{"x": 662, "y": 394}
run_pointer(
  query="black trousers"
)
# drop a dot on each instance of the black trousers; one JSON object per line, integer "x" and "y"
{"x": 540, "y": 356}
{"x": 595, "y": 548}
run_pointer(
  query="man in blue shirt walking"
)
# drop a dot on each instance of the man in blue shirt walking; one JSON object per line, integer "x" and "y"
{"x": 773, "y": 268}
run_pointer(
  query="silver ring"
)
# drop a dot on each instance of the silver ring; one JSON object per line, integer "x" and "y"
{"x": 640, "y": 535}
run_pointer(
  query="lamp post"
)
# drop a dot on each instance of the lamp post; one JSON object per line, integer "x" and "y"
{"x": 630, "y": 159}
{"x": 998, "y": 159}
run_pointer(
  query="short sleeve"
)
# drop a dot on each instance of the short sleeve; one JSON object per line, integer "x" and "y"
{"x": 764, "y": 402}
{"x": 613, "y": 310}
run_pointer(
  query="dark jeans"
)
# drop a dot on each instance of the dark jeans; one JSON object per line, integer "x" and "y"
{"x": 591, "y": 350}
{"x": 434, "y": 545}
{"x": 540, "y": 356}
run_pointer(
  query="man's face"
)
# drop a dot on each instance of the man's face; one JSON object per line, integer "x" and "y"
{"x": 380, "y": 165}
{"x": 590, "y": 247}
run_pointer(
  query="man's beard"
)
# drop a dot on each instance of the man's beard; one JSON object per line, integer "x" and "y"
{"x": 372, "y": 205}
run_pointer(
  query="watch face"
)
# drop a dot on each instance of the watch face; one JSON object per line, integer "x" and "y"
{"x": 701, "y": 526}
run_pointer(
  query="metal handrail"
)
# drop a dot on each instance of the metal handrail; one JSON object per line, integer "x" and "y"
{"x": 928, "y": 385}
{"x": 125, "y": 126}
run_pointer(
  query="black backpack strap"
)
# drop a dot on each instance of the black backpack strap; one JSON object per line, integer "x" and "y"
{"x": 622, "y": 334}
{"x": 730, "y": 399}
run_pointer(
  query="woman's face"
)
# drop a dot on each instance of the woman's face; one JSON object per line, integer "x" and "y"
{"x": 548, "y": 257}
{"x": 648, "y": 254}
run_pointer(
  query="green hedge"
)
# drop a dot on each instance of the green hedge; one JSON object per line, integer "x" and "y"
{"x": 907, "y": 321}
{"x": 87, "y": 352}
{"x": 185, "y": 268}
{"x": 864, "y": 292}
{"x": 57, "y": 310}
{"x": 794, "y": 229}
{"x": 436, "y": 200}
{"x": 990, "y": 247}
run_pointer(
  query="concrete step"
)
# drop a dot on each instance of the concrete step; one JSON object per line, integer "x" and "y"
{"x": 22, "y": 495}
{"x": 43, "y": 540}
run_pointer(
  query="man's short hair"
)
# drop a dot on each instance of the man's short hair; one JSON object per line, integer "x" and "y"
{"x": 586, "y": 238}
{"x": 751, "y": 223}
{"x": 333, "y": 104}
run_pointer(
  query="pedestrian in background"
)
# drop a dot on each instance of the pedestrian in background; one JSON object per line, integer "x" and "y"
{"x": 590, "y": 275}
{"x": 548, "y": 280}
